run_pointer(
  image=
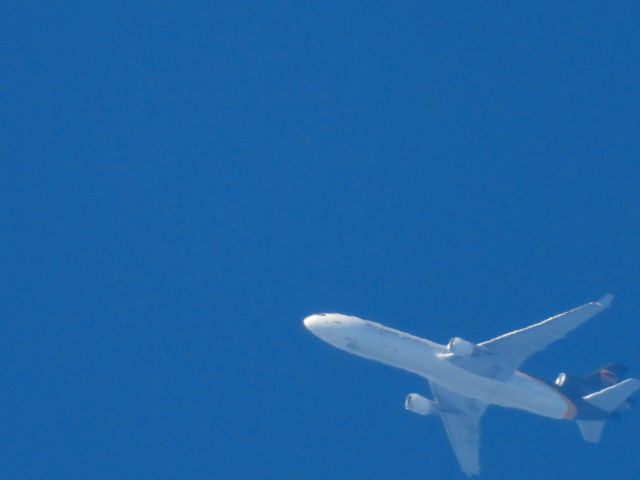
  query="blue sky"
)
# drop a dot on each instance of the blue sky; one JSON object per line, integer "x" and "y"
{"x": 182, "y": 183}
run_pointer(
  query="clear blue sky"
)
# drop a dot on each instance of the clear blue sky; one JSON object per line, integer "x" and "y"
{"x": 181, "y": 183}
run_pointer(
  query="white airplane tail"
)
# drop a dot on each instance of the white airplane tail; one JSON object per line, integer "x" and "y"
{"x": 591, "y": 430}
{"x": 608, "y": 400}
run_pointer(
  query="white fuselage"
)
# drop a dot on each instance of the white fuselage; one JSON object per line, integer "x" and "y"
{"x": 430, "y": 360}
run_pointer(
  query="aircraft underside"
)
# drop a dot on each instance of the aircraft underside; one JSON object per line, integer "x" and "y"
{"x": 465, "y": 378}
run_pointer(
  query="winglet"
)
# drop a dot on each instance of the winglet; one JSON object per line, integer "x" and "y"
{"x": 606, "y": 300}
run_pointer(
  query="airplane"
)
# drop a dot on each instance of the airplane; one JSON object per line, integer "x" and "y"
{"x": 465, "y": 377}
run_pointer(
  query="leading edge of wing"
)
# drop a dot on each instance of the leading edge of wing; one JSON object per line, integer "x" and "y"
{"x": 515, "y": 347}
{"x": 461, "y": 418}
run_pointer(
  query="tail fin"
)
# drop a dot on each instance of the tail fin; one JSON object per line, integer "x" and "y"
{"x": 607, "y": 375}
{"x": 608, "y": 400}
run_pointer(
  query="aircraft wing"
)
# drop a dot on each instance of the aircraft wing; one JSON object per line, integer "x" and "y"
{"x": 461, "y": 417}
{"x": 513, "y": 348}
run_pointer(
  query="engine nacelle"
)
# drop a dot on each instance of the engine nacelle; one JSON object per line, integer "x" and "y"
{"x": 577, "y": 384}
{"x": 418, "y": 404}
{"x": 562, "y": 379}
{"x": 460, "y": 347}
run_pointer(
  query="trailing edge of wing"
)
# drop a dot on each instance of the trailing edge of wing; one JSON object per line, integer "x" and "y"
{"x": 461, "y": 418}
{"x": 513, "y": 348}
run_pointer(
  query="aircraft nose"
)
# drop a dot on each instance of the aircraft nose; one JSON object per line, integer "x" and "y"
{"x": 334, "y": 328}
{"x": 311, "y": 321}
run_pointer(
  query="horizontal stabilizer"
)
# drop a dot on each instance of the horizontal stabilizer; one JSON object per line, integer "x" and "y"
{"x": 610, "y": 398}
{"x": 591, "y": 430}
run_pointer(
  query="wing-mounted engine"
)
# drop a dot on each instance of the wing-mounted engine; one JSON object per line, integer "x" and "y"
{"x": 460, "y": 347}
{"x": 422, "y": 406}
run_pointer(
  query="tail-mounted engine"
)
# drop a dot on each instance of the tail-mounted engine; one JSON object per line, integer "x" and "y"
{"x": 418, "y": 404}
{"x": 604, "y": 377}
{"x": 564, "y": 380}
